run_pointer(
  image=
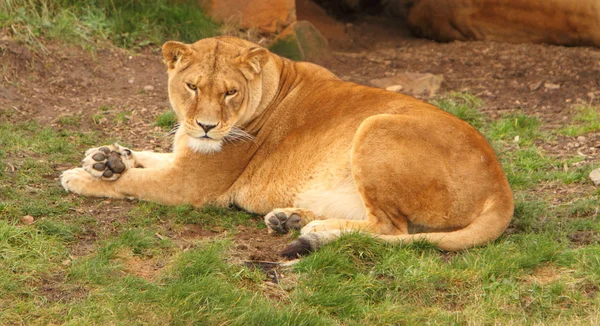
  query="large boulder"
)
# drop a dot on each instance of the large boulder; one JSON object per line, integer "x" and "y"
{"x": 301, "y": 41}
{"x": 267, "y": 15}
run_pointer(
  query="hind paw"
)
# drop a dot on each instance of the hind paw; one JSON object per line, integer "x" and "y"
{"x": 283, "y": 220}
{"x": 108, "y": 162}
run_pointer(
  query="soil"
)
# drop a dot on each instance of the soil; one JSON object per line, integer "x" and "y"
{"x": 119, "y": 94}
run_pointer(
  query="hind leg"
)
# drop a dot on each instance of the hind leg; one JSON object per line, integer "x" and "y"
{"x": 408, "y": 172}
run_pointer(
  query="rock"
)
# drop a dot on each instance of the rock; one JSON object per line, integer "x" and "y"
{"x": 581, "y": 139}
{"x": 394, "y": 88}
{"x": 412, "y": 83}
{"x": 267, "y": 15}
{"x": 27, "y": 219}
{"x": 148, "y": 88}
{"x": 301, "y": 41}
{"x": 535, "y": 86}
{"x": 551, "y": 86}
{"x": 131, "y": 81}
{"x": 595, "y": 176}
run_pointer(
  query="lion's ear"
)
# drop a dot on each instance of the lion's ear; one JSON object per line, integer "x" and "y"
{"x": 173, "y": 51}
{"x": 252, "y": 61}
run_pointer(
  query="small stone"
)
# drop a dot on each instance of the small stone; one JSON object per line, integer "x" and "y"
{"x": 394, "y": 88}
{"x": 535, "y": 86}
{"x": 27, "y": 219}
{"x": 131, "y": 81}
{"x": 148, "y": 88}
{"x": 581, "y": 139}
{"x": 416, "y": 84}
{"x": 551, "y": 86}
{"x": 595, "y": 176}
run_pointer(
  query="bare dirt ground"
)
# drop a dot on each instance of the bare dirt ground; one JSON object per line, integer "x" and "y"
{"x": 95, "y": 88}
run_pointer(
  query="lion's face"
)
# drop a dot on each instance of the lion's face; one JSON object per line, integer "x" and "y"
{"x": 214, "y": 88}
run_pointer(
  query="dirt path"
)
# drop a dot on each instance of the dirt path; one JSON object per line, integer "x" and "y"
{"x": 120, "y": 94}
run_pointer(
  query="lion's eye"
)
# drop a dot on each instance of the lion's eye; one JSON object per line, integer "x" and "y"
{"x": 231, "y": 92}
{"x": 191, "y": 86}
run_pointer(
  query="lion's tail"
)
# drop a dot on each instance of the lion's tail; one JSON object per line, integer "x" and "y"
{"x": 487, "y": 227}
{"x": 492, "y": 222}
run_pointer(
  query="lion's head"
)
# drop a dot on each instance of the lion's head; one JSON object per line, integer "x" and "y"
{"x": 214, "y": 87}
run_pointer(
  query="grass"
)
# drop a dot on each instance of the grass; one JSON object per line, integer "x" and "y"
{"x": 127, "y": 23}
{"x": 585, "y": 120}
{"x": 166, "y": 120}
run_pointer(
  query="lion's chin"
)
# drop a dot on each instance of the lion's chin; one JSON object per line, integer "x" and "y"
{"x": 204, "y": 145}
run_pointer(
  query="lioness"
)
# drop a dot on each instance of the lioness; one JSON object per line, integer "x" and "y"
{"x": 312, "y": 152}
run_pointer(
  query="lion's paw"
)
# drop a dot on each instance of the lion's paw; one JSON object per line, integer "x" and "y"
{"x": 108, "y": 162}
{"x": 283, "y": 220}
{"x": 77, "y": 180}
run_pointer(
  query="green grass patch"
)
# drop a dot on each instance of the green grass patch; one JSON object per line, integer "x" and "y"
{"x": 519, "y": 128}
{"x": 464, "y": 106}
{"x": 127, "y": 23}
{"x": 585, "y": 120}
{"x": 167, "y": 120}
{"x": 146, "y": 214}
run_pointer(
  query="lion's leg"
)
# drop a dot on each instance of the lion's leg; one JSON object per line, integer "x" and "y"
{"x": 157, "y": 185}
{"x": 282, "y": 220}
{"x": 154, "y": 160}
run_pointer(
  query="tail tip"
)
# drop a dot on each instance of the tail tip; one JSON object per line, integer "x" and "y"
{"x": 297, "y": 248}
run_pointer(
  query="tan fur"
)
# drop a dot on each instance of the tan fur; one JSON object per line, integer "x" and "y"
{"x": 563, "y": 22}
{"x": 319, "y": 153}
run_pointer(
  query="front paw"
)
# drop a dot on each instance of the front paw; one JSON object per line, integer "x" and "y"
{"x": 108, "y": 162}
{"x": 78, "y": 181}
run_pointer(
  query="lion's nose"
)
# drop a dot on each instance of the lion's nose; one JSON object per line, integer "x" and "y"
{"x": 205, "y": 127}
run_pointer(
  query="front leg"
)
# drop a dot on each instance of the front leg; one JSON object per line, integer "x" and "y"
{"x": 157, "y": 185}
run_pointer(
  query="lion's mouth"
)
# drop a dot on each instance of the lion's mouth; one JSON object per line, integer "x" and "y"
{"x": 204, "y": 144}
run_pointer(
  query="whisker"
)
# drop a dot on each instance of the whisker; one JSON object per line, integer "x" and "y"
{"x": 174, "y": 129}
{"x": 238, "y": 134}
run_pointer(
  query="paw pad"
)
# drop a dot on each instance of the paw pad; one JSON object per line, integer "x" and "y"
{"x": 108, "y": 162}
{"x": 281, "y": 222}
